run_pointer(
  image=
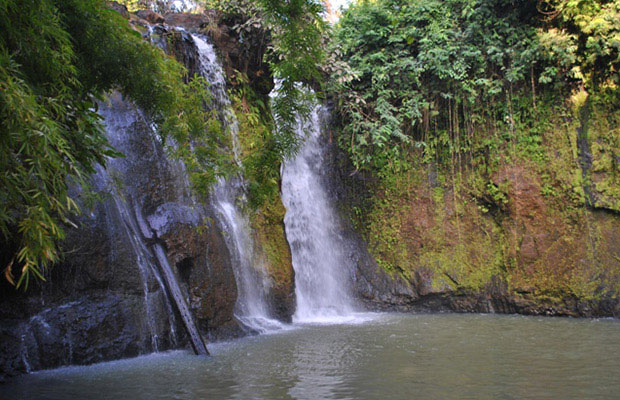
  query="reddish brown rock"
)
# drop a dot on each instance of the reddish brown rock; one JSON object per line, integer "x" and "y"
{"x": 193, "y": 22}
{"x": 151, "y": 16}
{"x": 120, "y": 8}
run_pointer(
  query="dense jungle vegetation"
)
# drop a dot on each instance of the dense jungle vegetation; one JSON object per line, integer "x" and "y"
{"x": 428, "y": 73}
{"x": 57, "y": 60}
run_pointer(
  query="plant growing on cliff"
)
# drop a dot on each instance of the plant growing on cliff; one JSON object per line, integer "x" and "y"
{"x": 428, "y": 72}
{"x": 585, "y": 36}
{"x": 295, "y": 53}
{"x": 57, "y": 59}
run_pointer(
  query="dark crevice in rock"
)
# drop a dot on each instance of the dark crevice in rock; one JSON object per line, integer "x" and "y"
{"x": 184, "y": 267}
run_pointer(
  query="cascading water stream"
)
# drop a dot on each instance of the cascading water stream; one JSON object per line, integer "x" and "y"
{"x": 322, "y": 283}
{"x": 252, "y": 309}
{"x": 145, "y": 264}
{"x": 151, "y": 257}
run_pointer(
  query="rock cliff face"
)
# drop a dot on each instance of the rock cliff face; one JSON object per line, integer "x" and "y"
{"x": 372, "y": 286}
{"x": 241, "y": 45}
{"x": 531, "y": 252}
{"x": 104, "y": 301}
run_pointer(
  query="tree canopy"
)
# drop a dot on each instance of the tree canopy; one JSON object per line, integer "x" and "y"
{"x": 422, "y": 67}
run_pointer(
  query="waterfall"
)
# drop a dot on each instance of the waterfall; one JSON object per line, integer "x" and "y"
{"x": 145, "y": 265}
{"x": 150, "y": 255}
{"x": 253, "y": 283}
{"x": 322, "y": 283}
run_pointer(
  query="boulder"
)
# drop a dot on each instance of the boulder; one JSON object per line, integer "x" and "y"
{"x": 151, "y": 16}
{"x": 120, "y": 8}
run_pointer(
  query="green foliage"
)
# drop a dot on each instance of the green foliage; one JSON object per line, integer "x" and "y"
{"x": 199, "y": 139}
{"x": 261, "y": 160}
{"x": 425, "y": 74}
{"x": 604, "y": 142}
{"x": 161, "y": 6}
{"x": 422, "y": 67}
{"x": 588, "y": 34}
{"x": 57, "y": 58}
{"x": 295, "y": 30}
{"x": 267, "y": 224}
{"x": 261, "y": 154}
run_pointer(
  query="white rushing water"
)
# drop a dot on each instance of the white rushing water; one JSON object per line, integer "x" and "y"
{"x": 253, "y": 283}
{"x": 322, "y": 283}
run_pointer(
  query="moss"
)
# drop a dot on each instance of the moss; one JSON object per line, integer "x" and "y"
{"x": 604, "y": 142}
{"x": 265, "y": 210}
{"x": 268, "y": 226}
{"x": 522, "y": 219}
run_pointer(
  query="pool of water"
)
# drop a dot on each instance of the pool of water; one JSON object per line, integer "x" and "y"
{"x": 385, "y": 356}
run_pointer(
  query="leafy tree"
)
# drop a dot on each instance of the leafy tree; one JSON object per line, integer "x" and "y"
{"x": 295, "y": 30}
{"x": 162, "y": 6}
{"x": 425, "y": 72}
{"x": 411, "y": 59}
{"x": 295, "y": 33}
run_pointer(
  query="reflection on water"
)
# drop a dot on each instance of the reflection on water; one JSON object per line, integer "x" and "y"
{"x": 387, "y": 357}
